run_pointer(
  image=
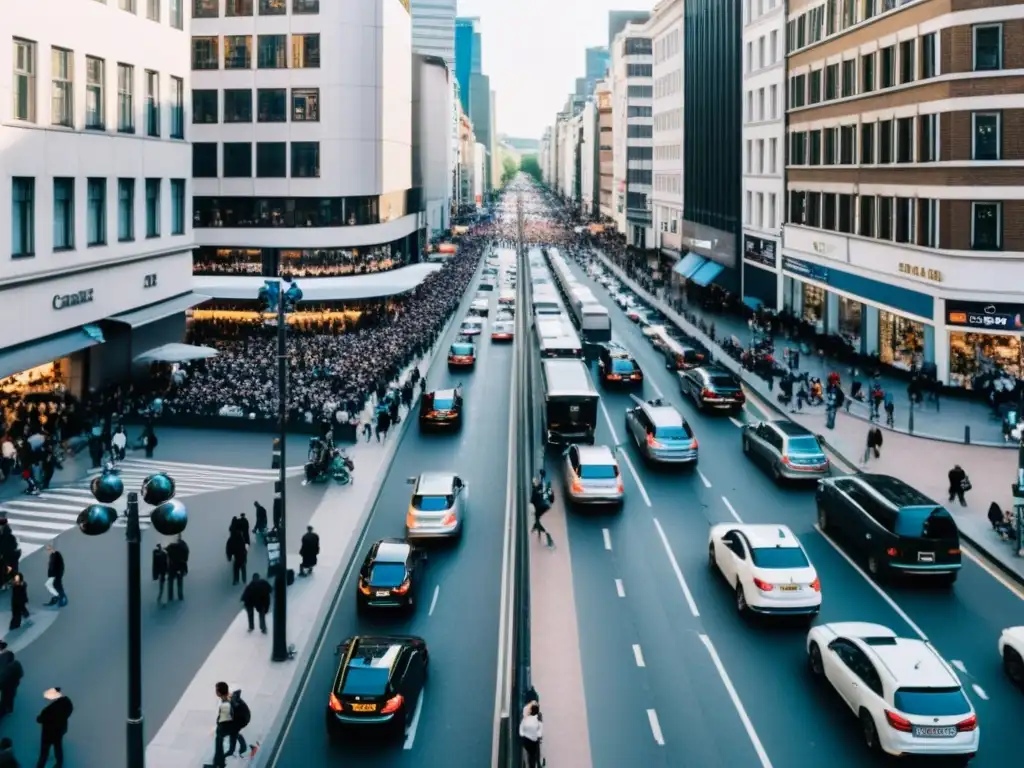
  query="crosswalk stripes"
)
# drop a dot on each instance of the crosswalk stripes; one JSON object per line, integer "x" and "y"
{"x": 36, "y": 520}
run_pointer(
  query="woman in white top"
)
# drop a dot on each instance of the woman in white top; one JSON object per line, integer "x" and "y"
{"x": 531, "y": 730}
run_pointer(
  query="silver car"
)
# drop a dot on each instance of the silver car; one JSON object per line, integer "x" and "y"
{"x": 592, "y": 475}
{"x": 438, "y": 506}
{"x": 788, "y": 450}
{"x": 661, "y": 433}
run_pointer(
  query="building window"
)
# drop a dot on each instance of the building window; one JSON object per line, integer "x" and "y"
{"x": 305, "y": 105}
{"x": 127, "y": 5}
{"x": 885, "y": 153}
{"x": 96, "y": 213}
{"x": 237, "y": 51}
{"x": 814, "y": 92}
{"x": 831, "y": 148}
{"x": 815, "y": 153}
{"x": 205, "y": 53}
{"x": 125, "y": 98}
{"x": 177, "y": 108}
{"x": 24, "y": 80}
{"x": 773, "y": 98}
{"x": 849, "y": 86}
{"x": 928, "y": 223}
{"x": 177, "y": 206}
{"x": 204, "y": 106}
{"x": 907, "y": 61}
{"x": 904, "y": 219}
{"x": 62, "y": 64}
{"x": 204, "y": 160}
{"x": 885, "y": 218}
{"x": 773, "y": 151}
{"x": 237, "y": 160}
{"x": 905, "y": 140}
{"x": 870, "y": 9}
{"x": 153, "y": 10}
{"x": 272, "y": 52}
{"x": 831, "y": 82}
{"x": 177, "y": 12}
{"x": 95, "y": 75}
{"x": 306, "y": 159}
{"x": 867, "y": 216}
{"x": 986, "y": 136}
{"x": 205, "y": 9}
{"x": 271, "y": 160}
{"x": 749, "y": 213}
{"x": 759, "y": 210}
{"x": 814, "y": 209}
{"x": 927, "y": 148}
{"x": 771, "y": 212}
{"x": 845, "y": 219}
{"x": 152, "y": 103}
{"x": 305, "y": 6}
{"x": 797, "y": 207}
{"x": 152, "y": 207}
{"x": 125, "y": 210}
{"x": 272, "y": 105}
{"x": 988, "y": 47}
{"x": 928, "y": 58}
{"x": 847, "y": 144}
{"x": 867, "y": 144}
{"x": 867, "y": 73}
{"x": 888, "y": 59}
{"x": 63, "y": 214}
{"x": 238, "y": 8}
{"x": 798, "y": 148}
{"x": 273, "y": 7}
{"x": 986, "y": 226}
{"x": 237, "y": 105}
{"x": 798, "y": 91}
{"x": 828, "y": 211}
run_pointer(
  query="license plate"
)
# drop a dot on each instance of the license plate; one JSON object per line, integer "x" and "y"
{"x": 926, "y": 557}
{"x": 383, "y": 593}
{"x": 364, "y": 707}
{"x": 934, "y": 731}
{"x": 789, "y": 587}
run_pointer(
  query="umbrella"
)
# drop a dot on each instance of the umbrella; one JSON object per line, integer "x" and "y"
{"x": 176, "y": 353}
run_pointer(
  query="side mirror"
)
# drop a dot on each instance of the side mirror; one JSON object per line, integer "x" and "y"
{"x": 411, "y": 481}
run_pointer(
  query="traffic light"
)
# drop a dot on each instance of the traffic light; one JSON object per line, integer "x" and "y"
{"x": 169, "y": 516}
{"x": 98, "y": 518}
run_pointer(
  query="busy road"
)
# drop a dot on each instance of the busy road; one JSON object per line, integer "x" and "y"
{"x": 682, "y": 678}
{"x": 458, "y": 606}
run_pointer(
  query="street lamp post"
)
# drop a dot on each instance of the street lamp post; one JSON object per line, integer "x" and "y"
{"x": 170, "y": 518}
{"x": 281, "y": 301}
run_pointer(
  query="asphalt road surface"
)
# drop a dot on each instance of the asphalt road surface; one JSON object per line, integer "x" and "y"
{"x": 674, "y": 677}
{"x": 458, "y": 608}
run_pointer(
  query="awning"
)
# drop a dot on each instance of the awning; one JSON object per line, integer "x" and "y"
{"x": 160, "y": 310}
{"x": 754, "y": 303}
{"x": 707, "y": 273}
{"x": 29, "y": 355}
{"x": 689, "y": 264}
{"x": 176, "y": 353}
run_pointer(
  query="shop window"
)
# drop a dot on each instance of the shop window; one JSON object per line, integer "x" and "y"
{"x": 814, "y": 209}
{"x": 797, "y": 207}
{"x": 867, "y": 216}
{"x": 975, "y": 359}
{"x": 905, "y": 140}
{"x": 867, "y": 144}
{"x": 828, "y": 211}
{"x": 847, "y": 144}
{"x": 867, "y": 73}
{"x": 928, "y": 223}
{"x": 929, "y": 67}
{"x": 237, "y": 160}
{"x": 849, "y": 86}
{"x": 849, "y": 322}
{"x": 887, "y": 57}
{"x": 986, "y": 226}
{"x": 900, "y": 341}
{"x": 988, "y": 47}
{"x": 228, "y": 261}
{"x": 845, "y": 214}
{"x": 986, "y": 136}
{"x": 927, "y": 144}
{"x": 885, "y": 218}
{"x": 831, "y": 142}
{"x": 237, "y": 105}
{"x": 885, "y": 153}
{"x": 204, "y": 106}
{"x": 904, "y": 219}
{"x": 907, "y": 48}
{"x": 815, "y": 153}
{"x": 831, "y": 82}
{"x": 814, "y": 304}
{"x": 814, "y": 94}
{"x": 204, "y": 159}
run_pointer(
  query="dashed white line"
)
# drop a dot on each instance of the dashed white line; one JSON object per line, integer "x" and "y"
{"x": 607, "y": 535}
{"x": 636, "y": 477}
{"x": 736, "y": 421}
{"x": 703, "y": 479}
{"x": 410, "y": 733}
{"x": 638, "y": 655}
{"x": 620, "y": 590}
{"x": 678, "y": 571}
{"x": 979, "y": 691}
{"x": 958, "y": 665}
{"x": 608, "y": 420}
{"x": 740, "y": 710}
{"x": 735, "y": 515}
{"x": 882, "y": 593}
{"x": 433, "y": 600}
{"x": 652, "y": 718}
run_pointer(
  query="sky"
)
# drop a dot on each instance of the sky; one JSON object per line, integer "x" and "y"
{"x": 533, "y": 51}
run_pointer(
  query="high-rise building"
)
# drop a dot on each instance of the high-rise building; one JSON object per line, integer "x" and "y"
{"x": 605, "y": 148}
{"x": 480, "y": 115}
{"x": 467, "y": 56}
{"x": 431, "y": 132}
{"x": 633, "y": 133}
{"x": 581, "y": 87}
{"x": 617, "y": 21}
{"x": 94, "y": 189}
{"x": 433, "y": 29}
{"x": 597, "y": 61}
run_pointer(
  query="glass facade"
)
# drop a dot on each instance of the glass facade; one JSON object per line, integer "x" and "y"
{"x": 270, "y": 212}
{"x": 851, "y": 315}
{"x": 976, "y": 359}
{"x": 814, "y": 306}
{"x": 900, "y": 341}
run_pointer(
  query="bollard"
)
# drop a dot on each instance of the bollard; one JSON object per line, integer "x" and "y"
{"x": 967, "y": 434}
{"x": 910, "y": 423}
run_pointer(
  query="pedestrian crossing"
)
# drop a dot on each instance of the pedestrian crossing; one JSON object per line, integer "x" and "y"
{"x": 37, "y": 520}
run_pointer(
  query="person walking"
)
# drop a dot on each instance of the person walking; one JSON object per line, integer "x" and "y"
{"x": 10, "y": 554}
{"x": 19, "y": 602}
{"x": 959, "y": 484}
{"x": 874, "y": 444}
{"x": 244, "y": 528}
{"x": 11, "y": 673}
{"x": 261, "y": 518}
{"x": 539, "y": 500}
{"x": 160, "y": 568}
{"x": 118, "y": 445}
{"x": 55, "y": 578}
{"x": 256, "y": 599}
{"x": 53, "y": 721}
{"x": 7, "y": 758}
{"x": 232, "y": 716}
{"x": 531, "y": 731}
{"x": 309, "y": 549}
{"x": 177, "y": 567}
{"x": 149, "y": 440}
{"x": 238, "y": 555}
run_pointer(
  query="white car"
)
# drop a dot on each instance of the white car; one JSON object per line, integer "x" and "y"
{"x": 503, "y": 330}
{"x": 480, "y": 307}
{"x": 1011, "y": 649}
{"x": 472, "y": 326}
{"x": 908, "y": 699}
{"x": 767, "y": 568}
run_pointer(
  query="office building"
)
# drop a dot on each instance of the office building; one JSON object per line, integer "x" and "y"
{"x": 617, "y": 21}
{"x": 467, "y": 56}
{"x": 479, "y": 173}
{"x": 605, "y": 149}
{"x": 545, "y": 156}
{"x": 597, "y": 60}
{"x": 431, "y": 139}
{"x": 480, "y": 114}
{"x": 589, "y": 164}
{"x": 94, "y": 190}
{"x": 903, "y": 231}
{"x": 466, "y": 165}
{"x": 433, "y": 29}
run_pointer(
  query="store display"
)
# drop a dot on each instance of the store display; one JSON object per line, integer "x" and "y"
{"x": 900, "y": 341}
{"x": 975, "y": 359}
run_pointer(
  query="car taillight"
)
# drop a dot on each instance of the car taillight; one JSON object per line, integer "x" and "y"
{"x": 363, "y": 586}
{"x": 402, "y": 588}
{"x": 618, "y": 485}
{"x": 892, "y": 552}
{"x": 693, "y": 444}
{"x": 764, "y": 586}
{"x": 953, "y": 551}
{"x": 708, "y": 394}
{"x": 786, "y": 461}
{"x": 448, "y": 519}
{"x": 613, "y": 377}
{"x": 897, "y": 722}
{"x": 431, "y": 414}
{"x": 741, "y": 396}
{"x": 816, "y": 585}
{"x": 335, "y": 703}
{"x": 651, "y": 442}
{"x": 970, "y": 724}
{"x": 392, "y": 705}
{"x": 410, "y": 519}
{"x": 577, "y": 486}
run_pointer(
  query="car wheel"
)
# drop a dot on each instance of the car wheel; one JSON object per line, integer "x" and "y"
{"x": 814, "y": 661}
{"x": 1013, "y": 664}
{"x": 742, "y": 608}
{"x": 822, "y": 519}
{"x": 712, "y": 562}
{"x": 869, "y": 732}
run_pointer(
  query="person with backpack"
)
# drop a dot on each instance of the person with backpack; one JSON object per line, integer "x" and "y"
{"x": 233, "y": 716}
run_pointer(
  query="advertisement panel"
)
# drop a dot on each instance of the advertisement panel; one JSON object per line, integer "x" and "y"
{"x": 760, "y": 250}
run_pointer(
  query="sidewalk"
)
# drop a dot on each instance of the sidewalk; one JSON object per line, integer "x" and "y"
{"x": 945, "y": 420}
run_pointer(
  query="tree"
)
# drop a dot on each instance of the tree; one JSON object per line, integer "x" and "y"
{"x": 530, "y": 165}
{"x": 509, "y": 169}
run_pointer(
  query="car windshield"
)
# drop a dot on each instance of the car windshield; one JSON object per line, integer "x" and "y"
{"x": 462, "y": 349}
{"x": 387, "y": 575}
{"x": 432, "y": 503}
{"x": 365, "y": 681}
{"x": 934, "y": 702}
{"x": 723, "y": 382}
{"x": 925, "y": 523}
{"x": 806, "y": 444}
{"x": 599, "y": 471}
{"x": 779, "y": 557}
{"x": 619, "y": 365}
{"x": 443, "y": 404}
{"x": 674, "y": 433}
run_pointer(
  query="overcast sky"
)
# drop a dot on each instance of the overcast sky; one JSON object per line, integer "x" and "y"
{"x": 533, "y": 53}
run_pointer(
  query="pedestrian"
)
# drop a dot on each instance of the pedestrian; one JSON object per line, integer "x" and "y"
{"x": 119, "y": 444}
{"x": 240, "y": 717}
{"x": 241, "y": 525}
{"x": 261, "y": 518}
{"x": 54, "y": 725}
{"x": 19, "y": 602}
{"x": 11, "y": 673}
{"x": 229, "y": 707}
{"x": 367, "y": 430}
{"x": 959, "y": 484}
{"x": 7, "y": 758}
{"x": 538, "y": 498}
{"x": 874, "y": 444}
{"x": 238, "y": 555}
{"x": 10, "y": 553}
{"x": 308, "y": 551}
{"x": 177, "y": 567}
{"x": 55, "y": 577}
{"x": 160, "y": 569}
{"x": 149, "y": 440}
{"x": 890, "y": 410}
{"x": 256, "y": 599}
{"x": 531, "y": 731}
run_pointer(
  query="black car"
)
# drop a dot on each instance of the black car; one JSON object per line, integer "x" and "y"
{"x": 615, "y": 366}
{"x": 378, "y": 684}
{"x": 898, "y": 529}
{"x": 441, "y": 409}
{"x": 389, "y": 577}
{"x": 710, "y": 386}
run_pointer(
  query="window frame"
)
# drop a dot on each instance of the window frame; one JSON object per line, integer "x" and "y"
{"x": 1001, "y": 53}
{"x": 204, "y": 172}
{"x": 236, "y": 15}
{"x": 271, "y": 92}
{"x": 125, "y": 98}
{"x": 205, "y": 65}
{"x": 229, "y": 171}
{"x": 229, "y": 115}
{"x": 202, "y": 94}
{"x": 126, "y": 225}
{"x": 999, "y": 135}
{"x": 153, "y": 10}
{"x": 62, "y": 87}
{"x": 212, "y": 9}
{"x": 177, "y": 127}
{"x": 153, "y": 207}
{"x": 230, "y": 54}
{"x": 153, "y": 127}
{"x": 280, "y": 58}
{"x": 266, "y": 8}
{"x": 179, "y": 203}
{"x": 28, "y": 74}
{"x": 999, "y": 224}
{"x": 68, "y": 214}
{"x": 95, "y": 120}
{"x": 267, "y": 145}
{"x": 294, "y": 150}
{"x": 95, "y": 208}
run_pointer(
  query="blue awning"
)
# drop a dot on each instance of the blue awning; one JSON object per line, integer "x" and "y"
{"x": 707, "y": 273}
{"x": 29, "y": 355}
{"x": 754, "y": 303}
{"x": 160, "y": 310}
{"x": 689, "y": 264}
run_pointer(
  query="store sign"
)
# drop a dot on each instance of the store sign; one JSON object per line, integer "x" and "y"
{"x": 913, "y": 270}
{"x": 149, "y": 281}
{"x": 72, "y": 299}
{"x": 805, "y": 269}
{"x": 759, "y": 250}
{"x": 976, "y": 314}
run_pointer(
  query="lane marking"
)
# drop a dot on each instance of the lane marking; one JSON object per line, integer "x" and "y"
{"x": 882, "y": 593}
{"x": 979, "y": 691}
{"x": 656, "y": 388}
{"x": 992, "y": 570}
{"x": 433, "y": 601}
{"x": 636, "y": 477}
{"x": 736, "y": 422}
{"x": 410, "y": 734}
{"x": 611, "y": 427}
{"x": 732, "y": 511}
{"x": 747, "y": 725}
{"x": 620, "y": 590}
{"x": 703, "y": 479}
{"x": 652, "y": 718}
{"x": 958, "y": 665}
{"x": 638, "y": 656}
{"x": 607, "y": 538}
{"x": 678, "y": 571}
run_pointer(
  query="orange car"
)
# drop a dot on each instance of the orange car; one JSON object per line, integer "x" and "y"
{"x": 462, "y": 355}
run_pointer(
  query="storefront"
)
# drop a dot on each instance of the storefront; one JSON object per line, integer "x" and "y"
{"x": 901, "y": 341}
{"x": 984, "y": 343}
{"x": 760, "y": 275}
{"x": 851, "y": 321}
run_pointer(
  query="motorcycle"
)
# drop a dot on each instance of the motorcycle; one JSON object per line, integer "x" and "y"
{"x": 338, "y": 467}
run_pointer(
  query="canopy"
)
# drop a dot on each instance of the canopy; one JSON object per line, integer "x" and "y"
{"x": 707, "y": 273}
{"x": 24, "y": 356}
{"x": 160, "y": 310}
{"x": 689, "y": 264}
{"x": 176, "y": 353}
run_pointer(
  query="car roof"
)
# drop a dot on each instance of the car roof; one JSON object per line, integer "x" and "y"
{"x": 615, "y": 349}
{"x": 376, "y": 652}
{"x": 715, "y": 370}
{"x": 443, "y": 394}
{"x": 480, "y": 301}
{"x": 911, "y": 662}
{"x": 435, "y": 483}
{"x": 473, "y": 321}
{"x": 769, "y": 536}
{"x": 791, "y": 428}
{"x": 596, "y": 454}
{"x": 392, "y": 551}
{"x": 664, "y": 415}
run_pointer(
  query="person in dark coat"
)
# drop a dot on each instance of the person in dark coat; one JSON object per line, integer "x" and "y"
{"x": 308, "y": 550}
{"x": 256, "y": 599}
{"x": 10, "y": 554}
{"x": 149, "y": 440}
{"x": 238, "y": 555}
{"x": 55, "y": 577}
{"x": 7, "y": 758}
{"x": 874, "y": 444}
{"x": 11, "y": 673}
{"x": 54, "y": 723}
{"x": 958, "y": 484}
{"x": 261, "y": 518}
{"x": 177, "y": 567}
{"x": 240, "y": 526}
{"x": 160, "y": 571}
{"x": 19, "y": 602}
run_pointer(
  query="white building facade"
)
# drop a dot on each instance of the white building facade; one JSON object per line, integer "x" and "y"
{"x": 764, "y": 150}
{"x": 633, "y": 133}
{"x": 302, "y": 141}
{"x": 665, "y": 28}
{"x": 94, "y": 188}
{"x": 432, "y": 89}
{"x": 590, "y": 171}
{"x": 479, "y": 172}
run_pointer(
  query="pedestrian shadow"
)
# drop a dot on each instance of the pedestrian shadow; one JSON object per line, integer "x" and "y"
{"x": 21, "y": 638}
